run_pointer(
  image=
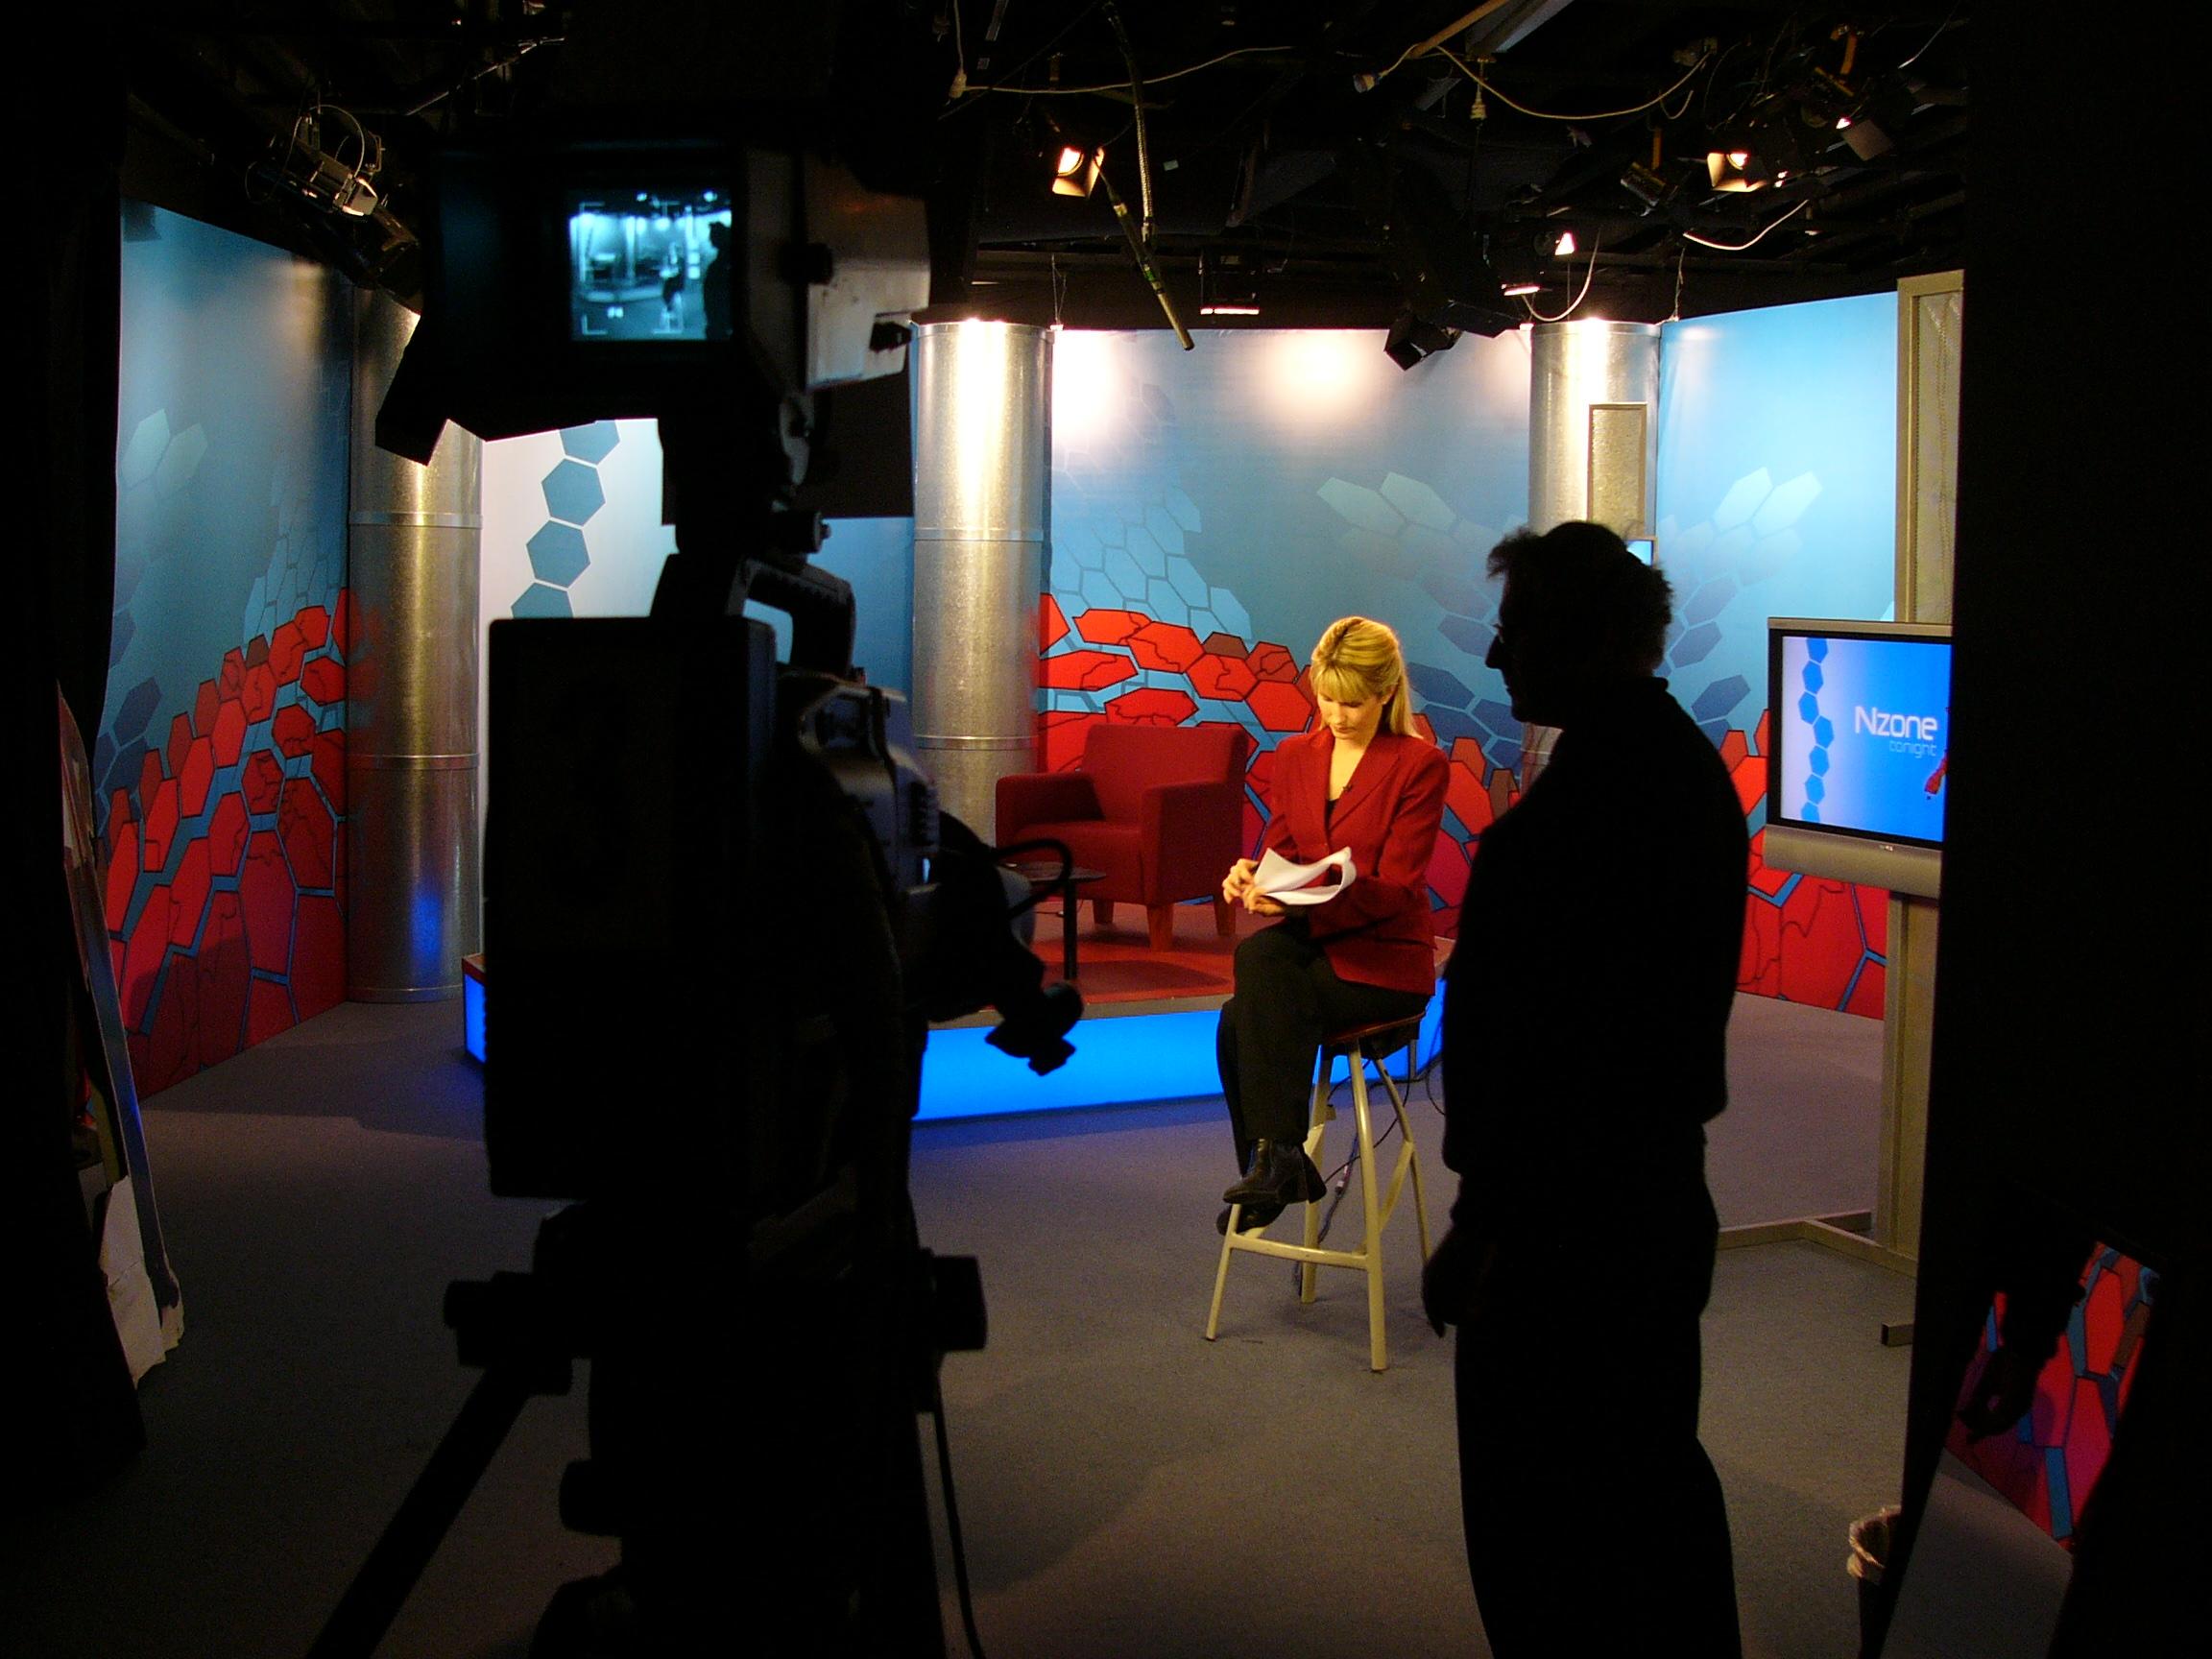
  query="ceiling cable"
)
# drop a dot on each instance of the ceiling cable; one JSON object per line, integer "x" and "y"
{"x": 1739, "y": 247}
{"x": 1592, "y": 115}
{"x": 1123, "y": 86}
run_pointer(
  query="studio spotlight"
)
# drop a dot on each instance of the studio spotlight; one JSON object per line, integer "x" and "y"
{"x": 334, "y": 181}
{"x": 1226, "y": 287}
{"x": 1075, "y": 169}
{"x": 1410, "y": 339}
{"x": 1735, "y": 169}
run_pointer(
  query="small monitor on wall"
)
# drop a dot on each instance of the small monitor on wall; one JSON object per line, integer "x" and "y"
{"x": 1858, "y": 750}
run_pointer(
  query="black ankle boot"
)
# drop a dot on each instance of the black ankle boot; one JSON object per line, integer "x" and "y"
{"x": 1277, "y": 1175}
{"x": 1250, "y": 1219}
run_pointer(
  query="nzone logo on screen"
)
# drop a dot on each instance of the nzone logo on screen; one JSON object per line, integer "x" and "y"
{"x": 1908, "y": 734}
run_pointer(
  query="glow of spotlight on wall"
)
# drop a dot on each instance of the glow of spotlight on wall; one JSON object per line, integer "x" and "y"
{"x": 979, "y": 407}
{"x": 1314, "y": 378}
{"x": 1084, "y": 373}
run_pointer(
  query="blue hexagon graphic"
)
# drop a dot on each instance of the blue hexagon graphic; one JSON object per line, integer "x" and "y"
{"x": 540, "y": 600}
{"x": 1808, "y": 709}
{"x": 1813, "y": 678}
{"x": 558, "y": 554}
{"x": 1823, "y": 731}
{"x": 572, "y": 492}
{"x": 593, "y": 443}
{"x": 1698, "y": 644}
{"x": 135, "y": 710}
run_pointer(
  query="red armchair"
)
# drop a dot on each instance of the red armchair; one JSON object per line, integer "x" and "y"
{"x": 1160, "y": 809}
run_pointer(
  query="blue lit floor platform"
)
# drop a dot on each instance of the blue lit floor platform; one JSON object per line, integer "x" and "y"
{"x": 1146, "y": 1032}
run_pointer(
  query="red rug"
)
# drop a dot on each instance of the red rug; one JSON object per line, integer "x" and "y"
{"x": 1117, "y": 964}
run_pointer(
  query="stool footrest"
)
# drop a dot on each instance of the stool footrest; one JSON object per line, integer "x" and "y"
{"x": 1313, "y": 1253}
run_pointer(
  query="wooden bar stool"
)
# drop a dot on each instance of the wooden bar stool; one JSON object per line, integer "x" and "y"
{"x": 1361, "y": 1045}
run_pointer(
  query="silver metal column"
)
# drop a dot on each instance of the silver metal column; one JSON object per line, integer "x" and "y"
{"x": 982, "y": 523}
{"x": 414, "y": 900}
{"x": 1593, "y": 443}
{"x": 1594, "y": 425}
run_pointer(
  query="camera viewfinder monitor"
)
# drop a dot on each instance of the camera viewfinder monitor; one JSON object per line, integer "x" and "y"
{"x": 1858, "y": 750}
{"x": 640, "y": 256}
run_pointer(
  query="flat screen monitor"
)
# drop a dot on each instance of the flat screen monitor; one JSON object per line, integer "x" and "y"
{"x": 1858, "y": 750}
{"x": 641, "y": 258}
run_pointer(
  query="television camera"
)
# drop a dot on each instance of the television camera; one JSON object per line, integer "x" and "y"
{"x": 722, "y": 899}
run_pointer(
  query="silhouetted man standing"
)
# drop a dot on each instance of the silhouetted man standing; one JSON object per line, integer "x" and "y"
{"x": 1585, "y": 1033}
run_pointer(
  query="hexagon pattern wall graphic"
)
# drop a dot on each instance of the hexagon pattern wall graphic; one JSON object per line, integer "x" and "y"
{"x": 573, "y": 492}
{"x": 226, "y": 856}
{"x": 1130, "y": 631}
{"x": 2049, "y": 1462}
{"x": 222, "y": 829}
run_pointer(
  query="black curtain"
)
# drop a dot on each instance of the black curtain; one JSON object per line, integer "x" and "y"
{"x": 66, "y": 123}
{"x": 2068, "y": 1096}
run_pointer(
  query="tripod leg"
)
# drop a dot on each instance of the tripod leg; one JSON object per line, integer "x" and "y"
{"x": 374, "y": 1599}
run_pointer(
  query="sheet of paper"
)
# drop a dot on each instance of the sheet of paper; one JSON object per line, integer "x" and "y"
{"x": 1288, "y": 883}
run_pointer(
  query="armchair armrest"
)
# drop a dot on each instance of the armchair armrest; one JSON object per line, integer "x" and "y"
{"x": 1027, "y": 798}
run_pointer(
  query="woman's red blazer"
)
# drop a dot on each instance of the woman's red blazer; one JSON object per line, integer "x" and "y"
{"x": 1378, "y": 931}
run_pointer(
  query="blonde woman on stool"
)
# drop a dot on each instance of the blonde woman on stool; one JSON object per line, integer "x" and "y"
{"x": 1360, "y": 779}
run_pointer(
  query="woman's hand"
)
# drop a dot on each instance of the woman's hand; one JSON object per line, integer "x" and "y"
{"x": 1237, "y": 887}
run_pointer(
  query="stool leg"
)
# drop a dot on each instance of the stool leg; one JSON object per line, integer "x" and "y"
{"x": 1315, "y": 1135}
{"x": 1221, "y": 1273}
{"x": 1420, "y": 1196}
{"x": 1377, "y": 1356}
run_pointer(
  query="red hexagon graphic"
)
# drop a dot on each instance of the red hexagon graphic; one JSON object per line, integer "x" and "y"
{"x": 330, "y": 766}
{"x": 261, "y": 780}
{"x": 122, "y": 870}
{"x": 1221, "y": 644}
{"x": 1280, "y": 706}
{"x": 256, "y": 650}
{"x": 193, "y": 782}
{"x": 1228, "y": 678}
{"x": 259, "y": 693}
{"x": 1086, "y": 670}
{"x": 225, "y": 972}
{"x": 179, "y": 741}
{"x": 1051, "y": 623}
{"x": 1464, "y": 794}
{"x": 142, "y": 957}
{"x": 160, "y": 827}
{"x": 229, "y": 735}
{"x": 168, "y": 1044}
{"x": 227, "y": 835}
{"x": 232, "y": 680}
{"x": 292, "y": 729}
{"x": 203, "y": 706}
{"x": 318, "y": 956}
{"x": 325, "y": 680}
{"x": 1151, "y": 705}
{"x": 1060, "y": 739}
{"x": 1109, "y": 627}
{"x": 188, "y": 895}
{"x": 287, "y": 647}
{"x": 1167, "y": 646}
{"x": 1272, "y": 662}
{"x": 266, "y": 895}
{"x": 304, "y": 822}
{"x": 314, "y": 623}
